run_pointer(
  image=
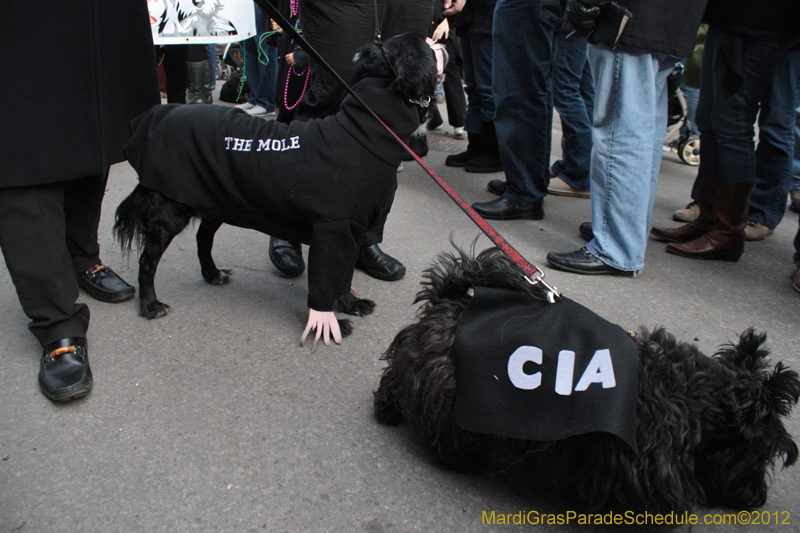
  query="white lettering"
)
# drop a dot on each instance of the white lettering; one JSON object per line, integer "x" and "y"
{"x": 263, "y": 144}
{"x": 566, "y": 365}
{"x": 518, "y": 377}
{"x": 600, "y": 370}
{"x": 238, "y": 144}
{"x": 295, "y": 142}
{"x": 228, "y": 142}
{"x": 248, "y": 144}
{"x": 276, "y": 145}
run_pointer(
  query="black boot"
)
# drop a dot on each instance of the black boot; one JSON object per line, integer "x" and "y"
{"x": 473, "y": 152}
{"x": 489, "y": 160}
{"x": 286, "y": 256}
{"x": 199, "y": 74}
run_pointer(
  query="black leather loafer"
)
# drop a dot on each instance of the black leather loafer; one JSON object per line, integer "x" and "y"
{"x": 586, "y": 232}
{"x": 583, "y": 262}
{"x": 379, "y": 265}
{"x": 64, "y": 373}
{"x": 105, "y": 285}
{"x": 502, "y": 209}
{"x": 287, "y": 257}
{"x": 497, "y": 187}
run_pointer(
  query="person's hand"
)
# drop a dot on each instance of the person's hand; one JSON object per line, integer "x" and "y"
{"x": 326, "y": 325}
{"x": 451, "y": 7}
{"x": 290, "y": 59}
{"x": 274, "y": 26}
{"x": 581, "y": 14}
{"x": 442, "y": 31}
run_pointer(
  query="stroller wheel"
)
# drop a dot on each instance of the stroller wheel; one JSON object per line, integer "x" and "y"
{"x": 689, "y": 151}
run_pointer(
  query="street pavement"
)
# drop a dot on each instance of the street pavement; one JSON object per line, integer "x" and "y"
{"x": 213, "y": 418}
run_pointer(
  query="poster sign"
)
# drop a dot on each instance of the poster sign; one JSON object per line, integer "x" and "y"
{"x": 201, "y": 21}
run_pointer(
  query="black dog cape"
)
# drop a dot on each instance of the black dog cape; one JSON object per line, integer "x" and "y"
{"x": 531, "y": 370}
{"x": 324, "y": 182}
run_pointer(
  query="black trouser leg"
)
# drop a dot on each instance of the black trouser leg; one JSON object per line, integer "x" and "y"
{"x": 33, "y": 240}
{"x": 83, "y": 199}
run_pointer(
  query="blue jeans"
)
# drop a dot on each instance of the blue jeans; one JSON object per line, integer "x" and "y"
{"x": 726, "y": 124}
{"x": 476, "y": 51}
{"x": 795, "y": 181}
{"x": 776, "y": 144}
{"x": 573, "y": 98}
{"x": 691, "y": 95}
{"x": 630, "y": 118}
{"x": 523, "y": 34}
{"x": 261, "y": 78}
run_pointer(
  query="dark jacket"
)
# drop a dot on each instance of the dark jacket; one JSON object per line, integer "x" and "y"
{"x": 323, "y": 182}
{"x": 666, "y": 26}
{"x": 76, "y": 73}
{"x": 766, "y": 19}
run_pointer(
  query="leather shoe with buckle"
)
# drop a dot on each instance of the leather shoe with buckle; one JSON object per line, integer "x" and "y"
{"x": 378, "y": 264}
{"x": 287, "y": 257}
{"x": 64, "y": 373}
{"x": 583, "y": 262}
{"x": 503, "y": 209}
{"x": 105, "y": 285}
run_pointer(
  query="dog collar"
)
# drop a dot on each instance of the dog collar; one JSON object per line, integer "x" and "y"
{"x": 425, "y": 101}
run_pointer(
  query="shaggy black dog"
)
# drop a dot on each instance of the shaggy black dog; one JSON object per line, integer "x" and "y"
{"x": 324, "y": 182}
{"x": 708, "y": 429}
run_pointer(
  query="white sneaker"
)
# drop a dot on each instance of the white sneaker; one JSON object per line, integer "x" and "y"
{"x": 246, "y": 106}
{"x": 257, "y": 110}
{"x": 459, "y": 133}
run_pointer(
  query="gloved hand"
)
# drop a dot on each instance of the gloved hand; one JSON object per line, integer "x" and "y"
{"x": 582, "y": 14}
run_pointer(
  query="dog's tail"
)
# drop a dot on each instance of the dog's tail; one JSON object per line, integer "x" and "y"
{"x": 128, "y": 228}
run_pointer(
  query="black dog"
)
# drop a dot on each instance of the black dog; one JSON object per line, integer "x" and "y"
{"x": 708, "y": 429}
{"x": 324, "y": 182}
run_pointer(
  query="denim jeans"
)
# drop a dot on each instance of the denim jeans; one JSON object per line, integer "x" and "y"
{"x": 630, "y": 118}
{"x": 726, "y": 124}
{"x": 522, "y": 59}
{"x": 476, "y": 50}
{"x": 573, "y": 98}
{"x": 261, "y": 78}
{"x": 774, "y": 155}
{"x": 795, "y": 181}
{"x": 691, "y": 95}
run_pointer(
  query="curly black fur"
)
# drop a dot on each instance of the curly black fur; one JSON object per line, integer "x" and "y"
{"x": 709, "y": 429}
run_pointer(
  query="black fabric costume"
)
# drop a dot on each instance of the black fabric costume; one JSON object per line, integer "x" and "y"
{"x": 572, "y": 372}
{"x": 321, "y": 182}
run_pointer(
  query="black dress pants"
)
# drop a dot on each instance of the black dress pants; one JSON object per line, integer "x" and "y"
{"x": 48, "y": 233}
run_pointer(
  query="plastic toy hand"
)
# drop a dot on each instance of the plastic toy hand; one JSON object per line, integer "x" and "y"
{"x": 326, "y": 325}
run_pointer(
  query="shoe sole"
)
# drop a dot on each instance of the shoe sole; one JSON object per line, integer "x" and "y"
{"x": 527, "y": 216}
{"x": 615, "y": 272}
{"x": 79, "y": 392}
{"x": 571, "y": 194}
{"x": 730, "y": 257}
{"x": 489, "y": 170}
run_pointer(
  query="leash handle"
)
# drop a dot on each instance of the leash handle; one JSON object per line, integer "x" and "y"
{"x": 532, "y": 274}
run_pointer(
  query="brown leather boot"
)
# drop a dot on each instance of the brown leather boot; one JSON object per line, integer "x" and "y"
{"x": 706, "y": 191}
{"x": 726, "y": 241}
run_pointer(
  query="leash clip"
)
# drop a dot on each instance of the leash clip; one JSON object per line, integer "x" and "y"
{"x": 553, "y": 294}
{"x": 425, "y": 101}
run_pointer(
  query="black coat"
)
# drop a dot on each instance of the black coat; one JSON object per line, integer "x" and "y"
{"x": 666, "y": 26}
{"x": 76, "y": 72}
{"x": 324, "y": 182}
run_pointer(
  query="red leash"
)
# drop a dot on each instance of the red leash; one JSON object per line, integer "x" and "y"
{"x": 532, "y": 274}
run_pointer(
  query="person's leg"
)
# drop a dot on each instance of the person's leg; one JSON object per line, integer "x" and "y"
{"x": 570, "y": 102}
{"x": 83, "y": 199}
{"x": 521, "y": 87}
{"x": 794, "y": 187}
{"x": 489, "y": 159}
{"x": 472, "y": 119}
{"x": 175, "y": 72}
{"x": 262, "y": 63}
{"x": 629, "y": 125}
{"x": 33, "y": 241}
{"x": 774, "y": 155}
{"x": 454, "y": 96}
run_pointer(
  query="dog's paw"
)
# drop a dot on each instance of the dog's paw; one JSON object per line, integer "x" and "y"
{"x": 217, "y": 277}
{"x": 351, "y": 305}
{"x": 345, "y": 327}
{"x": 154, "y": 309}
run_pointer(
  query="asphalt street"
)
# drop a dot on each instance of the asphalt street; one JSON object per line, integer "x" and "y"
{"x": 213, "y": 418}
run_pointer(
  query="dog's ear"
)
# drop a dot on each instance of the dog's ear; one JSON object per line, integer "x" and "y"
{"x": 370, "y": 62}
{"x": 414, "y": 65}
{"x": 747, "y": 354}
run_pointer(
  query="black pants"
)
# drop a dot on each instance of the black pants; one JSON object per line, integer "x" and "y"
{"x": 48, "y": 233}
{"x": 336, "y": 29}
